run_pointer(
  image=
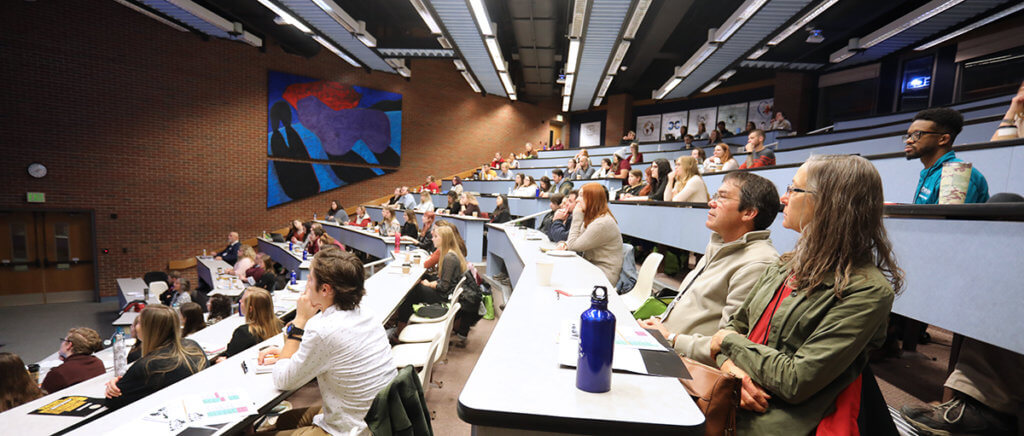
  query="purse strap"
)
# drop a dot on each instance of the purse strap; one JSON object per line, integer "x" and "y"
{"x": 668, "y": 309}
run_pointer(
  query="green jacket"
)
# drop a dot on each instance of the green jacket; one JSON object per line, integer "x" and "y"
{"x": 400, "y": 408}
{"x": 817, "y": 345}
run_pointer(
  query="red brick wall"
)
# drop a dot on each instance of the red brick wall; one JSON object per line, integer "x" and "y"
{"x": 169, "y": 131}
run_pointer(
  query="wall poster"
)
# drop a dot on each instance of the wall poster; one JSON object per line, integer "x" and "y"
{"x": 648, "y": 128}
{"x": 673, "y": 124}
{"x": 590, "y": 134}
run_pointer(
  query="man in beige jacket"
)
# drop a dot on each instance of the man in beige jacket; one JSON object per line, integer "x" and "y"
{"x": 739, "y": 251}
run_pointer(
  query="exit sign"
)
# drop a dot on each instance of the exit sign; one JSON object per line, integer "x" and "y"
{"x": 36, "y": 197}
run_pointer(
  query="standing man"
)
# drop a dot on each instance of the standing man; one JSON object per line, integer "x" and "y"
{"x": 562, "y": 219}
{"x": 930, "y": 138}
{"x": 230, "y": 253}
{"x": 739, "y": 252}
{"x": 759, "y": 155}
{"x": 340, "y": 344}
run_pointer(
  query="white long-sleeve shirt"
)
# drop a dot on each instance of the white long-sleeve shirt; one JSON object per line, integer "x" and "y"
{"x": 349, "y": 354}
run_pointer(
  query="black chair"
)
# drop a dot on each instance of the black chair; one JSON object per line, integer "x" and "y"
{"x": 155, "y": 276}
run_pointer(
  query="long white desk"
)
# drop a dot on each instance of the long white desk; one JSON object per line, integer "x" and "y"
{"x": 363, "y": 240}
{"x": 133, "y": 289}
{"x": 518, "y": 384}
{"x": 384, "y": 291}
{"x": 291, "y": 260}
{"x": 471, "y": 229}
{"x": 206, "y": 267}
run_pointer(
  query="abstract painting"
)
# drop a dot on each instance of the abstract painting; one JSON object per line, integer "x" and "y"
{"x": 288, "y": 181}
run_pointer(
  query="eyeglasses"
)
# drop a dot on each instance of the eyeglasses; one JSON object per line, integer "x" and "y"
{"x": 719, "y": 197}
{"x": 63, "y": 340}
{"x": 790, "y": 190}
{"x": 916, "y": 136}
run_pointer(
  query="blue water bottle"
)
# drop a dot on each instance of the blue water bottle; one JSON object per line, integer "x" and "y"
{"x": 303, "y": 254}
{"x": 289, "y": 245}
{"x": 597, "y": 342}
{"x": 294, "y": 282}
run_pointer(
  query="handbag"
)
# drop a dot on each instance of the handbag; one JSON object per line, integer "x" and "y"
{"x": 651, "y": 307}
{"x": 717, "y": 395}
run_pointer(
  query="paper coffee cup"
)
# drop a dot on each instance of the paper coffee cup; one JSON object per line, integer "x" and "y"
{"x": 544, "y": 270}
{"x": 475, "y": 214}
{"x": 1007, "y": 132}
{"x": 954, "y": 182}
{"x": 406, "y": 268}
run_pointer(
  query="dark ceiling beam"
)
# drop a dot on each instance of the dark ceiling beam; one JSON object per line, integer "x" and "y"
{"x": 668, "y": 15}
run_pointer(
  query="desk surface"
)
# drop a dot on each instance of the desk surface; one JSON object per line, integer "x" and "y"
{"x": 519, "y": 362}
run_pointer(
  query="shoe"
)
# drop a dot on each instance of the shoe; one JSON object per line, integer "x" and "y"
{"x": 961, "y": 415}
{"x": 458, "y": 341}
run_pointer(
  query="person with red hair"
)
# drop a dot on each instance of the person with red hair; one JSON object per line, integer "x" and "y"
{"x": 595, "y": 232}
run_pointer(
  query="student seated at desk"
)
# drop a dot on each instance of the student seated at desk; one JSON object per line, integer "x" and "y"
{"x": 172, "y": 287}
{"x": 343, "y": 346}
{"x": 426, "y": 202}
{"x": 595, "y": 232}
{"x": 219, "y": 307}
{"x": 182, "y": 293}
{"x": 246, "y": 260}
{"x": 454, "y": 203}
{"x": 16, "y": 384}
{"x": 436, "y": 255}
{"x": 409, "y": 228}
{"x": 632, "y": 186}
{"x": 336, "y": 213}
{"x": 166, "y": 358}
{"x": 297, "y": 232}
{"x": 388, "y": 223}
{"x": 79, "y": 364}
{"x": 361, "y": 218}
{"x": 501, "y": 213}
{"x": 323, "y": 240}
{"x": 257, "y": 306}
{"x": 425, "y": 236}
{"x": 661, "y": 171}
{"x": 802, "y": 336}
{"x": 450, "y": 269}
{"x": 469, "y": 204}
{"x": 191, "y": 318}
{"x": 561, "y": 220}
{"x": 135, "y": 352}
{"x": 685, "y": 183}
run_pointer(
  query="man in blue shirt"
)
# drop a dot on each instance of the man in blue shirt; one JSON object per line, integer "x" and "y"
{"x": 562, "y": 221}
{"x": 406, "y": 200}
{"x": 930, "y": 138}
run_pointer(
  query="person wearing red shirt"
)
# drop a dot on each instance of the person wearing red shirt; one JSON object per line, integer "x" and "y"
{"x": 759, "y": 155}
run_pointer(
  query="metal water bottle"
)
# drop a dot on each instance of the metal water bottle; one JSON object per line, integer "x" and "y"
{"x": 597, "y": 342}
{"x": 304, "y": 254}
{"x": 290, "y": 247}
{"x": 293, "y": 278}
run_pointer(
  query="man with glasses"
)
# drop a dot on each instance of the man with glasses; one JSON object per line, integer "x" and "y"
{"x": 738, "y": 253}
{"x": 930, "y": 138}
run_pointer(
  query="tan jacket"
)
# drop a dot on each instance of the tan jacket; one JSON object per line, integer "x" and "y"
{"x": 732, "y": 269}
{"x": 600, "y": 242}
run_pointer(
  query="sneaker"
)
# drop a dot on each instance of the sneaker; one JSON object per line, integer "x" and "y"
{"x": 961, "y": 415}
{"x": 458, "y": 341}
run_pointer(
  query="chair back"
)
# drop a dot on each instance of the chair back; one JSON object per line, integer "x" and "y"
{"x": 156, "y": 288}
{"x": 447, "y": 332}
{"x": 154, "y": 276}
{"x": 457, "y": 292}
{"x": 428, "y": 369}
{"x": 644, "y": 282}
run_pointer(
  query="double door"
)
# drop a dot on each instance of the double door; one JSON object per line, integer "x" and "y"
{"x": 46, "y": 257}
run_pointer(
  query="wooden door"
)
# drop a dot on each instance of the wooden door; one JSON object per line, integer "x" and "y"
{"x": 46, "y": 257}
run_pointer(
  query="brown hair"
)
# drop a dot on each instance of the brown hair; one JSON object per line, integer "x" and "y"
{"x": 846, "y": 230}
{"x": 161, "y": 328}
{"x": 596, "y": 201}
{"x": 84, "y": 340}
{"x": 448, "y": 244}
{"x": 344, "y": 273}
{"x": 410, "y": 217}
{"x": 16, "y": 385}
{"x": 259, "y": 313}
{"x": 727, "y": 152}
{"x": 193, "y": 314}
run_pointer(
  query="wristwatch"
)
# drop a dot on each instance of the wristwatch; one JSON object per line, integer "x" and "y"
{"x": 294, "y": 332}
{"x": 672, "y": 339}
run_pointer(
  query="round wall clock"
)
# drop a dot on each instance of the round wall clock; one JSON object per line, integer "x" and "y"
{"x": 37, "y": 170}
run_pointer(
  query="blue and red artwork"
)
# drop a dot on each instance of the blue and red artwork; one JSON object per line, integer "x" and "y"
{"x": 319, "y": 120}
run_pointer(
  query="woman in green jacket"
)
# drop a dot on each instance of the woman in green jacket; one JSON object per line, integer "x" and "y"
{"x": 803, "y": 334}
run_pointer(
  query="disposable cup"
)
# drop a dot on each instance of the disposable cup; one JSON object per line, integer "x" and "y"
{"x": 954, "y": 182}
{"x": 406, "y": 268}
{"x": 544, "y": 270}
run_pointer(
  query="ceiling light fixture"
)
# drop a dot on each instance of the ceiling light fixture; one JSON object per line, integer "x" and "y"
{"x": 506, "y": 80}
{"x": 574, "y": 56}
{"x": 620, "y": 55}
{"x": 907, "y": 21}
{"x": 697, "y": 59}
{"x": 667, "y": 87}
{"x": 218, "y": 21}
{"x": 711, "y": 86}
{"x": 579, "y": 16}
{"x": 565, "y": 103}
{"x": 495, "y": 51}
{"x": 328, "y": 45}
{"x": 727, "y": 75}
{"x": 597, "y": 101}
{"x": 286, "y": 16}
{"x": 738, "y": 18}
{"x": 482, "y": 20}
{"x": 428, "y": 19}
{"x": 567, "y": 87}
{"x": 636, "y": 19}
{"x": 472, "y": 83}
{"x": 459, "y": 65}
{"x": 605, "y": 85}
{"x": 758, "y": 53}
{"x": 799, "y": 24}
{"x": 971, "y": 27}
{"x": 444, "y": 42}
{"x": 149, "y": 14}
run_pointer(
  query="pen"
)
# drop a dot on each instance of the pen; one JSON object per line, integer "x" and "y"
{"x": 563, "y": 292}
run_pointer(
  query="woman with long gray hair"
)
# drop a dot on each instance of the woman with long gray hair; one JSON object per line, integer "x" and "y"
{"x": 802, "y": 337}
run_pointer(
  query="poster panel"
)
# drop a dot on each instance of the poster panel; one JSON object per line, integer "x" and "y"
{"x": 590, "y": 134}
{"x": 648, "y": 128}
{"x": 673, "y": 124}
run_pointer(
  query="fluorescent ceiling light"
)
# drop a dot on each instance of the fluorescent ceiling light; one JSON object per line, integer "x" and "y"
{"x": 840, "y": 56}
{"x": 287, "y": 17}
{"x": 472, "y": 83}
{"x": 711, "y": 86}
{"x": 217, "y": 21}
{"x": 495, "y": 50}
{"x": 459, "y": 65}
{"x": 601, "y": 92}
{"x": 799, "y": 24}
{"x": 512, "y": 97}
{"x": 597, "y": 101}
{"x": 149, "y": 14}
{"x": 404, "y": 71}
{"x": 579, "y": 16}
{"x": 338, "y": 14}
{"x": 697, "y": 59}
{"x": 907, "y": 21}
{"x": 758, "y": 53}
{"x": 727, "y": 75}
{"x": 567, "y": 88}
{"x": 327, "y": 44}
{"x": 731, "y": 25}
{"x": 667, "y": 88}
{"x": 426, "y": 16}
{"x": 620, "y": 54}
{"x": 482, "y": 21}
{"x": 565, "y": 103}
{"x": 574, "y": 55}
{"x": 636, "y": 19}
{"x": 506, "y": 80}
{"x": 971, "y": 27}
{"x": 444, "y": 42}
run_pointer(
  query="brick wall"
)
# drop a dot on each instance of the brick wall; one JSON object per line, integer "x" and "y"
{"x": 169, "y": 131}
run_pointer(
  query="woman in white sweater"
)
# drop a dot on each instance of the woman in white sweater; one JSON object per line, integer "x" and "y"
{"x": 685, "y": 183}
{"x": 595, "y": 233}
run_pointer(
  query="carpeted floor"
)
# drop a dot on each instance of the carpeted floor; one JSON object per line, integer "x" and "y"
{"x": 34, "y": 332}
